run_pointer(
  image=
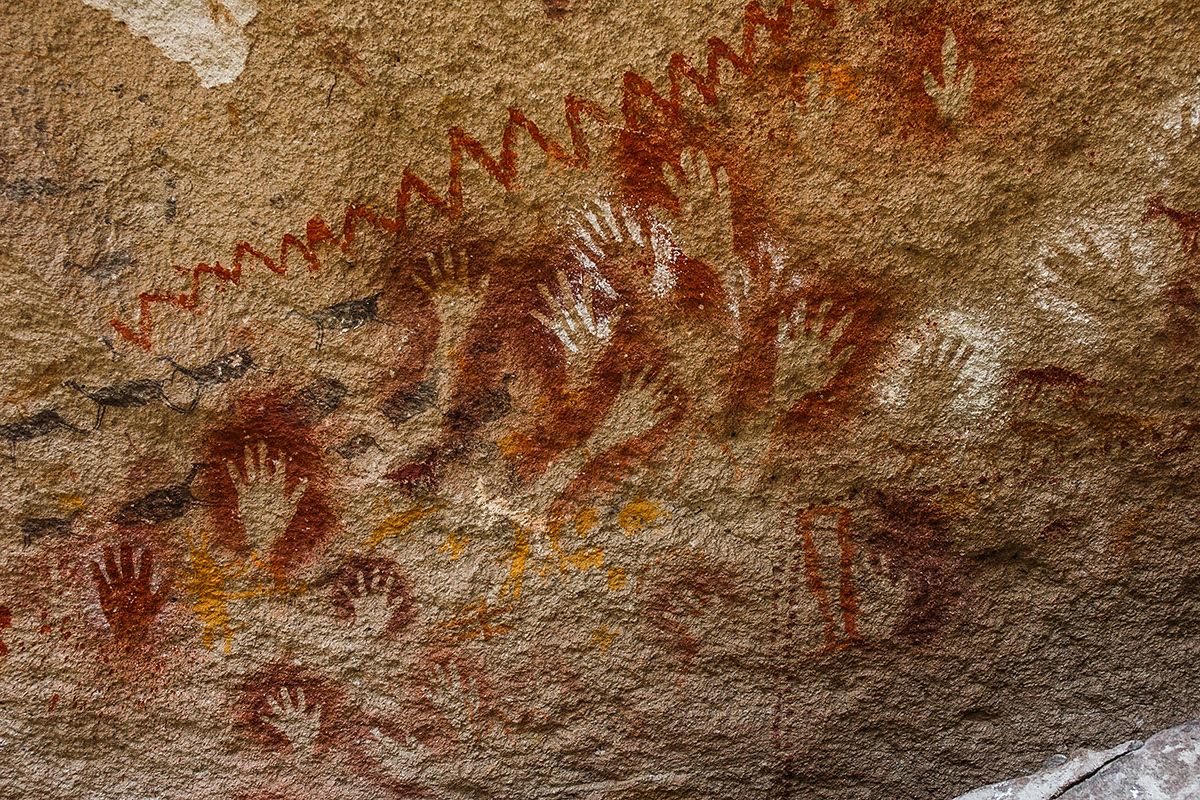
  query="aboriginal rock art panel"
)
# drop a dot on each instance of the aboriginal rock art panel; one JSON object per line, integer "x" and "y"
{"x": 566, "y": 398}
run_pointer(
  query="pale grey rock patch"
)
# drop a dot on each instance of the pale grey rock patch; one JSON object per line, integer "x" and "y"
{"x": 1165, "y": 767}
{"x": 1060, "y": 775}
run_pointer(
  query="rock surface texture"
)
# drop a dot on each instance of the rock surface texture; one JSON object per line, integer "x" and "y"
{"x": 607, "y": 399}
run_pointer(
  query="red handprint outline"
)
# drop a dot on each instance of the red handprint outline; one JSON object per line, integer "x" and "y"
{"x": 374, "y": 594}
{"x": 126, "y": 599}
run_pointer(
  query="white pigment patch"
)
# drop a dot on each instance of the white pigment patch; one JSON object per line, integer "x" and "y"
{"x": 208, "y": 35}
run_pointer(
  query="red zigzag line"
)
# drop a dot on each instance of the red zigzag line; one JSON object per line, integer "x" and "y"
{"x": 636, "y": 91}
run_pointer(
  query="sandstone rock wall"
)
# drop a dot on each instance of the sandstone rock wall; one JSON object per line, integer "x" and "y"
{"x": 596, "y": 398}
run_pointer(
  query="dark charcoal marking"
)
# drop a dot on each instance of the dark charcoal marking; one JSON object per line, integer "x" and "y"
{"x": 124, "y": 394}
{"x": 161, "y": 505}
{"x": 403, "y": 406}
{"x": 223, "y": 369}
{"x": 109, "y": 345}
{"x": 23, "y": 189}
{"x": 344, "y": 316}
{"x": 36, "y": 528}
{"x": 27, "y": 429}
{"x": 322, "y": 397}
{"x": 356, "y": 445}
{"x": 107, "y": 266}
{"x": 490, "y": 407}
